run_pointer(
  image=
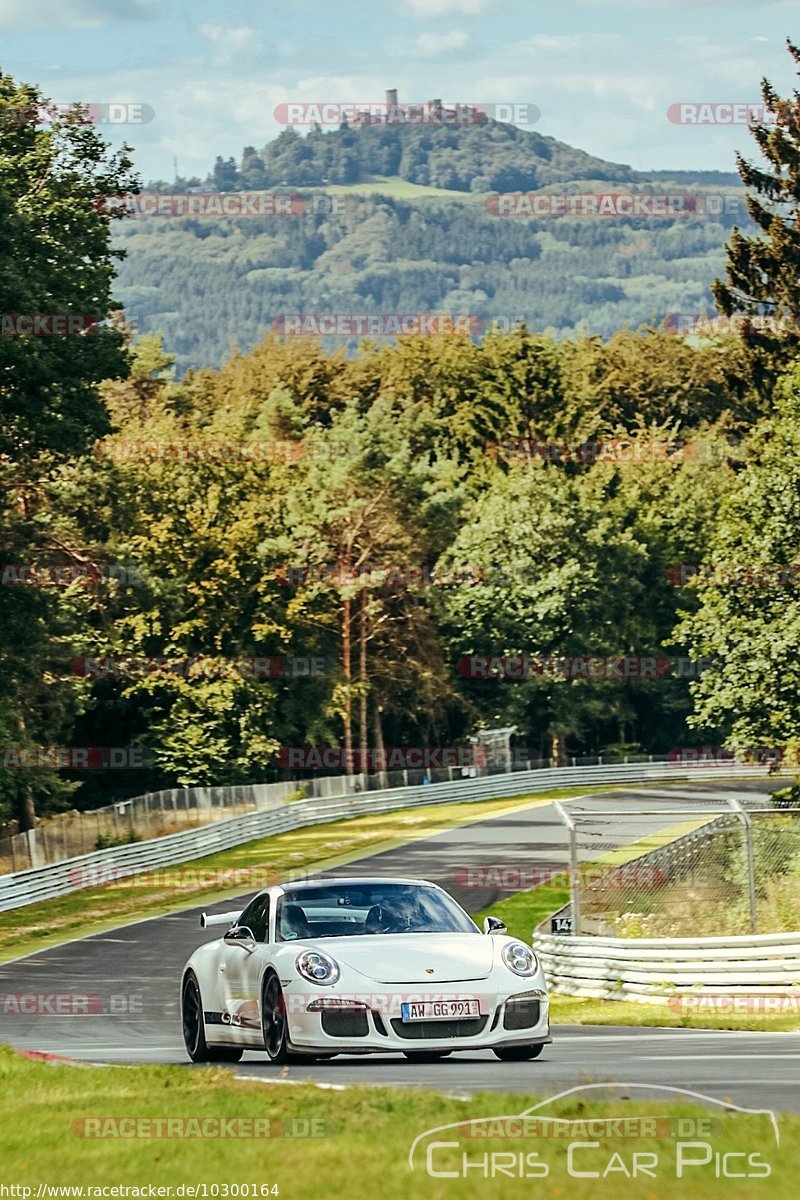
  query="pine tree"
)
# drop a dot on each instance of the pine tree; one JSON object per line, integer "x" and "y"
{"x": 763, "y": 271}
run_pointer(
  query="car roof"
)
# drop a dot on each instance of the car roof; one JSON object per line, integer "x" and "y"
{"x": 353, "y": 881}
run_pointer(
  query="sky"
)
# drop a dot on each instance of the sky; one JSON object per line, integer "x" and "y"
{"x": 602, "y": 73}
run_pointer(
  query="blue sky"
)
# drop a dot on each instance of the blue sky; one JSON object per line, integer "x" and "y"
{"x": 602, "y": 73}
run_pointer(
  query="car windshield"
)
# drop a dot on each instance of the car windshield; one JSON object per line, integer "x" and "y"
{"x": 349, "y": 910}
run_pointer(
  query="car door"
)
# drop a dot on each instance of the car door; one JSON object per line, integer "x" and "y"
{"x": 240, "y": 968}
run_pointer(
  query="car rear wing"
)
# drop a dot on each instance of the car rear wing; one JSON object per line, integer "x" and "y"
{"x": 229, "y": 918}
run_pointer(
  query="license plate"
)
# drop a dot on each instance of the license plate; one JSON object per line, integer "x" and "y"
{"x": 439, "y": 1010}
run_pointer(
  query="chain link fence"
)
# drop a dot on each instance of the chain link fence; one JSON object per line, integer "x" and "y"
{"x": 153, "y": 815}
{"x": 688, "y": 872}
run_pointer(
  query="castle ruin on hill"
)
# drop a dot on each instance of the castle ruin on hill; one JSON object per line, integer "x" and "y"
{"x": 431, "y": 112}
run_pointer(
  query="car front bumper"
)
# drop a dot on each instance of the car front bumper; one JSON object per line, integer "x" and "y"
{"x": 373, "y": 1024}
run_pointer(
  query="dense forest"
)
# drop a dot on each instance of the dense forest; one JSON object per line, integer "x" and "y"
{"x": 213, "y": 283}
{"x": 396, "y": 516}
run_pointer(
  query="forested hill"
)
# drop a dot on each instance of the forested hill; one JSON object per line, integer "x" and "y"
{"x": 471, "y": 158}
{"x": 398, "y": 219}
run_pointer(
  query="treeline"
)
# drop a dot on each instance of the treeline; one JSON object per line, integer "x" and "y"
{"x": 358, "y": 513}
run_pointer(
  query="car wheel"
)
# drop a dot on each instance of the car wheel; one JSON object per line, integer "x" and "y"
{"x": 273, "y": 1021}
{"x": 424, "y": 1056}
{"x": 194, "y": 1033}
{"x": 518, "y": 1053}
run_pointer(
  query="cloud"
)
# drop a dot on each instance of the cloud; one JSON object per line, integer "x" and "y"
{"x": 24, "y": 16}
{"x": 433, "y": 44}
{"x": 231, "y": 42}
{"x": 442, "y": 8}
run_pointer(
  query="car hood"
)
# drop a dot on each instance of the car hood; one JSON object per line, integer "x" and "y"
{"x": 416, "y": 957}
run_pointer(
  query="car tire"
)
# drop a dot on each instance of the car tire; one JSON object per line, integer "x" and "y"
{"x": 426, "y": 1056}
{"x": 518, "y": 1053}
{"x": 273, "y": 1020}
{"x": 194, "y": 1031}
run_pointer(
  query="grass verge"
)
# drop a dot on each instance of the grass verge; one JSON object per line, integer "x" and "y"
{"x": 364, "y": 1136}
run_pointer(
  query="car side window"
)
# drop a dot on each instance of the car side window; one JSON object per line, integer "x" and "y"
{"x": 256, "y": 918}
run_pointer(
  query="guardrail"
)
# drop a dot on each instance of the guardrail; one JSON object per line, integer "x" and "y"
{"x": 70, "y": 875}
{"x": 652, "y": 970}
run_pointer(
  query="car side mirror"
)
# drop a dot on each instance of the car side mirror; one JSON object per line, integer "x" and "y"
{"x": 494, "y": 925}
{"x": 242, "y": 936}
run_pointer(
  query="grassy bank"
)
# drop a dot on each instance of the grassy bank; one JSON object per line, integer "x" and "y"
{"x": 363, "y": 1139}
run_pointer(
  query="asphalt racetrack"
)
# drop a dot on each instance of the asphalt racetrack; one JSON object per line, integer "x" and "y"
{"x": 134, "y": 974}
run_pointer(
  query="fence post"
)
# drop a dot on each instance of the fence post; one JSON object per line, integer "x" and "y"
{"x": 574, "y": 875}
{"x": 747, "y": 824}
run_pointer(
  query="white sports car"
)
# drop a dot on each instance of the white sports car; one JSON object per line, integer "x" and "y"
{"x": 361, "y": 966}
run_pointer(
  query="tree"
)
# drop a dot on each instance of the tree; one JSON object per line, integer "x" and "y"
{"x": 55, "y": 258}
{"x": 763, "y": 272}
{"x": 225, "y": 174}
{"x": 55, "y": 261}
{"x": 748, "y": 618}
{"x": 560, "y": 577}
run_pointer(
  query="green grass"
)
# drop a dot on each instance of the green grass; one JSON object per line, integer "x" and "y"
{"x": 367, "y": 1134}
{"x": 573, "y": 1010}
{"x": 400, "y": 189}
{"x": 317, "y": 847}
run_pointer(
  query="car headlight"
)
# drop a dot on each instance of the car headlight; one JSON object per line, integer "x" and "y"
{"x": 317, "y": 967}
{"x": 520, "y": 959}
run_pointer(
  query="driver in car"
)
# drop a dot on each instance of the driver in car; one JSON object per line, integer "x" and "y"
{"x": 400, "y": 914}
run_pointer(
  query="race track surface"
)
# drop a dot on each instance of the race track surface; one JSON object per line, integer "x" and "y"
{"x": 132, "y": 975}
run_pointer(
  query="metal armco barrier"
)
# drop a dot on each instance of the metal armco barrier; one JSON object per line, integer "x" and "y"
{"x": 655, "y": 970}
{"x": 70, "y": 875}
